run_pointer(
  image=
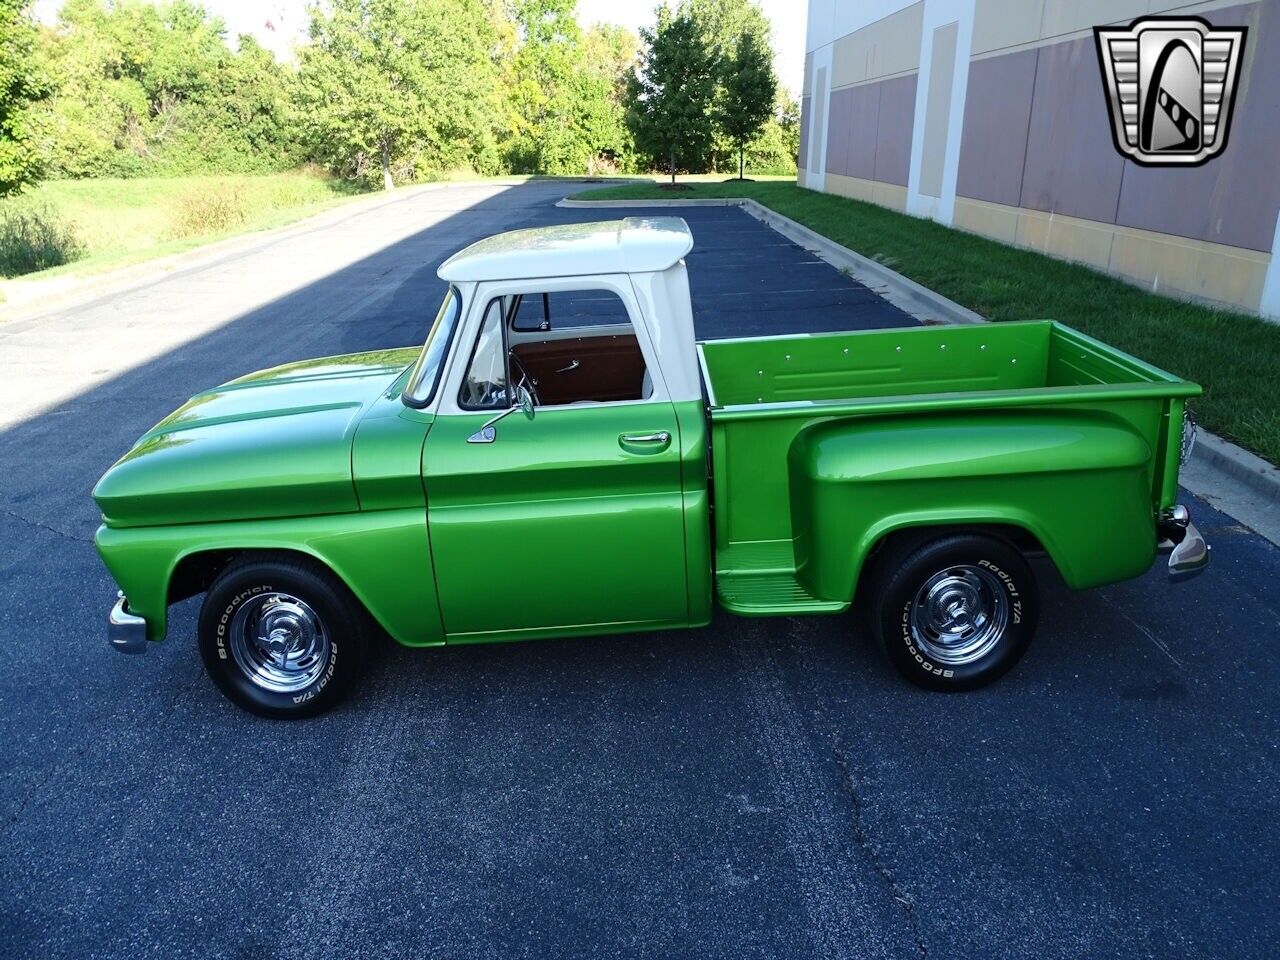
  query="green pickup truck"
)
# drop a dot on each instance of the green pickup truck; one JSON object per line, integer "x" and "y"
{"x": 561, "y": 458}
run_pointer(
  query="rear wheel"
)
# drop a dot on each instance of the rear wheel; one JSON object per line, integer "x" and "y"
{"x": 282, "y": 638}
{"x": 955, "y": 613}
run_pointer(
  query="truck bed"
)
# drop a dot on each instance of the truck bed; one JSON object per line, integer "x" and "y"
{"x": 766, "y": 395}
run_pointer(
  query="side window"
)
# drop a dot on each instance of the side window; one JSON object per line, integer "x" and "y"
{"x": 485, "y": 385}
{"x": 577, "y": 347}
{"x": 570, "y": 309}
{"x": 532, "y": 312}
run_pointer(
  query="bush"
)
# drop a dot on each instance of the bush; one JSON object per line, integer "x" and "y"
{"x": 33, "y": 237}
{"x": 210, "y": 208}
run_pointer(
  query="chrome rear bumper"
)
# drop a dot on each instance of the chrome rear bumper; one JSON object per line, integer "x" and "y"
{"x": 1189, "y": 554}
{"x": 125, "y": 631}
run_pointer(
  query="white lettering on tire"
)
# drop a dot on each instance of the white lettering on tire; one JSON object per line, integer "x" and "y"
{"x": 911, "y": 646}
{"x": 220, "y": 635}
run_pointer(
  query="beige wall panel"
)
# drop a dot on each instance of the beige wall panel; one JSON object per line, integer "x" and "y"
{"x": 1172, "y": 265}
{"x": 870, "y": 191}
{"x": 853, "y": 187}
{"x": 848, "y": 61}
{"x": 1067, "y": 16}
{"x": 1005, "y": 23}
{"x": 819, "y": 113}
{"x": 895, "y": 42}
{"x": 1212, "y": 272}
{"x": 937, "y": 116}
{"x": 890, "y": 195}
{"x": 988, "y": 219}
{"x": 1080, "y": 241}
{"x": 999, "y": 24}
{"x": 1237, "y": 279}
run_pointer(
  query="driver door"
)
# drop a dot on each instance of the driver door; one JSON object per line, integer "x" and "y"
{"x": 569, "y": 521}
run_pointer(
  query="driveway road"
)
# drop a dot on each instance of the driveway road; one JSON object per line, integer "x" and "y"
{"x": 756, "y": 789}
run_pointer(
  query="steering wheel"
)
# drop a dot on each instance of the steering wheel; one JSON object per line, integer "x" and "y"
{"x": 524, "y": 378}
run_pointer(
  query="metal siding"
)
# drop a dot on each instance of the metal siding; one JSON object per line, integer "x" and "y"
{"x": 893, "y": 131}
{"x": 997, "y": 116}
{"x": 1072, "y": 166}
{"x": 838, "y": 123}
{"x": 1233, "y": 198}
{"x": 864, "y": 116}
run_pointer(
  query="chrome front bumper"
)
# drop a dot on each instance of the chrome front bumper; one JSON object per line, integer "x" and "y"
{"x": 126, "y": 632}
{"x": 1189, "y": 554}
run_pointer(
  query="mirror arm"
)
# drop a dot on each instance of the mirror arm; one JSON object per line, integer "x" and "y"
{"x": 505, "y": 413}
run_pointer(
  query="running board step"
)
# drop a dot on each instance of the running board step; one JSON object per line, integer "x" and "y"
{"x": 770, "y": 594}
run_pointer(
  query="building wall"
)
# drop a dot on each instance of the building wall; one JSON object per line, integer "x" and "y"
{"x": 990, "y": 115}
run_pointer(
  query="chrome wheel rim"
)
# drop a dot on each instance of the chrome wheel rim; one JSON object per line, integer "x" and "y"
{"x": 959, "y": 615}
{"x": 279, "y": 643}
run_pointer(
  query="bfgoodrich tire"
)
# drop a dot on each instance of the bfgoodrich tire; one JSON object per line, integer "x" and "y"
{"x": 956, "y": 613}
{"x": 282, "y": 638}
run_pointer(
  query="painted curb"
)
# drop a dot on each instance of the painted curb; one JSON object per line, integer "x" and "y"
{"x": 922, "y": 303}
{"x": 1212, "y": 453}
{"x": 1251, "y": 470}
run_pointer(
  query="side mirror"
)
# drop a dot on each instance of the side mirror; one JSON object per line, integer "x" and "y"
{"x": 524, "y": 400}
{"x": 489, "y": 433}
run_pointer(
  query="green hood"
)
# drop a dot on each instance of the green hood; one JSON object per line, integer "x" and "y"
{"x": 276, "y": 443}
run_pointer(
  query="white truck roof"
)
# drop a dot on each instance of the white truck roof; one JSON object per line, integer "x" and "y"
{"x": 632, "y": 245}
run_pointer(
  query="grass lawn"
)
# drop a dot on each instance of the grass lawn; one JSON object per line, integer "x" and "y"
{"x": 1236, "y": 358}
{"x": 111, "y": 223}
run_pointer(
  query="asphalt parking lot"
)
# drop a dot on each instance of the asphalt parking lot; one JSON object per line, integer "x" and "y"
{"x": 760, "y": 788}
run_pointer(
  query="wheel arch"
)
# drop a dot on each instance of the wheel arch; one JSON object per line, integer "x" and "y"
{"x": 899, "y": 537}
{"x": 383, "y": 559}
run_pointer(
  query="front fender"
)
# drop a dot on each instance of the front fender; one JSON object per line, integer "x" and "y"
{"x": 1079, "y": 482}
{"x": 382, "y": 556}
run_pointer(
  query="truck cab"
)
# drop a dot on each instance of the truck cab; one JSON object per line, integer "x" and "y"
{"x": 568, "y": 435}
{"x": 561, "y": 457}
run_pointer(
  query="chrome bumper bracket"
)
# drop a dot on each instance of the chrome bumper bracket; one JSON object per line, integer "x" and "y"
{"x": 1189, "y": 552}
{"x": 125, "y": 631}
{"x": 1190, "y": 556}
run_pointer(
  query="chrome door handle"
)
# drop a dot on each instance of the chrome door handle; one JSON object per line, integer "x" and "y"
{"x": 573, "y": 365}
{"x": 660, "y": 437}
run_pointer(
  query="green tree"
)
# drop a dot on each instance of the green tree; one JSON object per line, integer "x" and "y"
{"x": 543, "y": 90}
{"x": 747, "y": 94}
{"x": 21, "y": 87}
{"x": 670, "y": 93}
{"x": 723, "y": 24}
{"x": 774, "y": 149}
{"x": 563, "y": 90}
{"x": 388, "y": 84}
{"x": 141, "y": 88}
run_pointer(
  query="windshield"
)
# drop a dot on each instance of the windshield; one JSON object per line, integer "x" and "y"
{"x": 426, "y": 373}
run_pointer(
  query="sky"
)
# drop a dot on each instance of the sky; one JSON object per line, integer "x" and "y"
{"x": 279, "y": 24}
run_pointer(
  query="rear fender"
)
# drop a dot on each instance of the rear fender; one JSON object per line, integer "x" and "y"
{"x": 1079, "y": 483}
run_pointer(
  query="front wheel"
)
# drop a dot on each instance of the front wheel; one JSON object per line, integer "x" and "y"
{"x": 956, "y": 613}
{"x": 282, "y": 638}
